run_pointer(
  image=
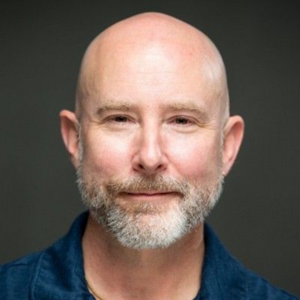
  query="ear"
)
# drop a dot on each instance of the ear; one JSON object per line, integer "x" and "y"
{"x": 69, "y": 131}
{"x": 233, "y": 136}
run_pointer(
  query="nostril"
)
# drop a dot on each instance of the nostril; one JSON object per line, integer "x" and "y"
{"x": 149, "y": 168}
{"x": 141, "y": 167}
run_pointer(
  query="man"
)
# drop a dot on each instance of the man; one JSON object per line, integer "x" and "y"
{"x": 152, "y": 140}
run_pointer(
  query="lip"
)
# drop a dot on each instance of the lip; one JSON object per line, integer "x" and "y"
{"x": 149, "y": 193}
{"x": 150, "y": 196}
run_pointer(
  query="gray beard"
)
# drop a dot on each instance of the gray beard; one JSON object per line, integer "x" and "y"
{"x": 147, "y": 225}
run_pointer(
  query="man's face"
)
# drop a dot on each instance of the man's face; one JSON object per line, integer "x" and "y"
{"x": 150, "y": 165}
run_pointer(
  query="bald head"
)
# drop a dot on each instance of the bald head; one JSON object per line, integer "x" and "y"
{"x": 147, "y": 43}
{"x": 152, "y": 103}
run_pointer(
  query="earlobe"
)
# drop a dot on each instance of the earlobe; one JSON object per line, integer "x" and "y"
{"x": 233, "y": 136}
{"x": 69, "y": 131}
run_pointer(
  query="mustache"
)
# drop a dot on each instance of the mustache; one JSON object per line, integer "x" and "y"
{"x": 157, "y": 183}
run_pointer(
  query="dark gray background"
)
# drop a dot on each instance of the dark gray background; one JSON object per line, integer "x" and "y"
{"x": 41, "y": 47}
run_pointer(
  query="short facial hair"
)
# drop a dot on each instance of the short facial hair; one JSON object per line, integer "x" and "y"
{"x": 145, "y": 225}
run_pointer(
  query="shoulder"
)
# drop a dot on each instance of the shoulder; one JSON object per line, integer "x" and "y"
{"x": 55, "y": 273}
{"x": 224, "y": 277}
{"x": 16, "y": 277}
{"x": 259, "y": 288}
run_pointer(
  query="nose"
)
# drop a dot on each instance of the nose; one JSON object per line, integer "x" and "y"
{"x": 149, "y": 158}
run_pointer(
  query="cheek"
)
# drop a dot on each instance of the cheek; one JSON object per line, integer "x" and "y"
{"x": 195, "y": 159}
{"x": 105, "y": 157}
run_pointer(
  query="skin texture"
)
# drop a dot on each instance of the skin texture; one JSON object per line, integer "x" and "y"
{"x": 152, "y": 99}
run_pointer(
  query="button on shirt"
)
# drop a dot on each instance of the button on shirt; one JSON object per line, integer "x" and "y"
{"x": 57, "y": 273}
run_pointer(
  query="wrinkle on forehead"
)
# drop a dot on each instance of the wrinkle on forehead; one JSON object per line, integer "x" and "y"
{"x": 152, "y": 36}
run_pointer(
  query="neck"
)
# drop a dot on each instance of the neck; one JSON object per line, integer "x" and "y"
{"x": 116, "y": 272}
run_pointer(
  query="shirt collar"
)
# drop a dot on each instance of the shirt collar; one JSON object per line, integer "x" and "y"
{"x": 60, "y": 270}
{"x": 223, "y": 277}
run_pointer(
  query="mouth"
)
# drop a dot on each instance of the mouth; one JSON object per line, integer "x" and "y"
{"x": 148, "y": 193}
{"x": 149, "y": 196}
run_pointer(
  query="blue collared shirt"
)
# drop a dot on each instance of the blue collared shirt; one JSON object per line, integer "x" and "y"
{"x": 57, "y": 273}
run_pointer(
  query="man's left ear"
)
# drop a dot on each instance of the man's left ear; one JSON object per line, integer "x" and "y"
{"x": 233, "y": 136}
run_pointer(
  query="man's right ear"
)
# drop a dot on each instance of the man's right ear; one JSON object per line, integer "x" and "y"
{"x": 69, "y": 127}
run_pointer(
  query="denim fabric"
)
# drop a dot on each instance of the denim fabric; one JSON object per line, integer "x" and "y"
{"x": 224, "y": 278}
{"x": 57, "y": 273}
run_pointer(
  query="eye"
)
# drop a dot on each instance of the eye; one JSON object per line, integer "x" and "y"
{"x": 182, "y": 121}
{"x": 118, "y": 119}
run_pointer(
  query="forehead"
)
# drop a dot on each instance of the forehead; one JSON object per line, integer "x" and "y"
{"x": 160, "y": 72}
{"x": 116, "y": 58}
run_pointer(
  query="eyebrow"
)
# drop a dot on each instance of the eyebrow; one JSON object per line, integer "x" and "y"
{"x": 115, "y": 106}
{"x": 177, "y": 106}
{"x": 190, "y": 107}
